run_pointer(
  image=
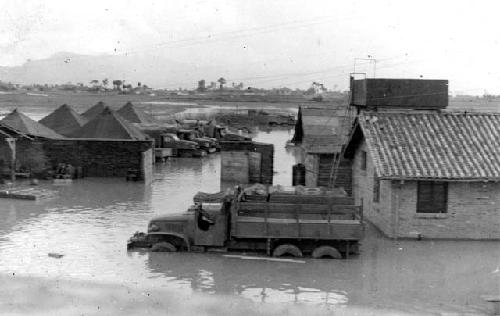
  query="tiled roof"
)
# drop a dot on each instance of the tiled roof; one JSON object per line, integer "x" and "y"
{"x": 439, "y": 145}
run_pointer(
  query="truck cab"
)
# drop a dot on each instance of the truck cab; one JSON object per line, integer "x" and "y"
{"x": 201, "y": 226}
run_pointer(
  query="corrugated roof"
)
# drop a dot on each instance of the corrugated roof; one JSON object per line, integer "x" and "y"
{"x": 134, "y": 115}
{"x": 109, "y": 125}
{"x": 24, "y": 124}
{"x": 64, "y": 120}
{"x": 447, "y": 145}
{"x": 94, "y": 111}
{"x": 323, "y": 129}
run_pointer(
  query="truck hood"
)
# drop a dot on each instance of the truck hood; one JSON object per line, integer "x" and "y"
{"x": 172, "y": 217}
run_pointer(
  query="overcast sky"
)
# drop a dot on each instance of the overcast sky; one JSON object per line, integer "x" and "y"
{"x": 284, "y": 43}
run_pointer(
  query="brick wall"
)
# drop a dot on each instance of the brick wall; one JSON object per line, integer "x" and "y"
{"x": 473, "y": 207}
{"x": 473, "y": 212}
{"x": 379, "y": 213}
{"x": 29, "y": 156}
{"x": 101, "y": 158}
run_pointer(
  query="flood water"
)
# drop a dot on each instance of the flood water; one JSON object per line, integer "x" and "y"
{"x": 90, "y": 220}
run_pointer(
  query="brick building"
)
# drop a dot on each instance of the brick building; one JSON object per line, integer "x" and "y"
{"x": 428, "y": 174}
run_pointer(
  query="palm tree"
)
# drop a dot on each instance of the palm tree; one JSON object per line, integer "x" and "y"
{"x": 222, "y": 82}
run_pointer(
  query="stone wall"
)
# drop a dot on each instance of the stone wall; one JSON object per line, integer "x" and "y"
{"x": 473, "y": 207}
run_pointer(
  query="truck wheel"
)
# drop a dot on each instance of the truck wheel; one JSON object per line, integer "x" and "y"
{"x": 163, "y": 246}
{"x": 326, "y": 251}
{"x": 287, "y": 249}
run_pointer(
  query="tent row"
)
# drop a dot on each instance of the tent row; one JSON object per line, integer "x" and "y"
{"x": 99, "y": 121}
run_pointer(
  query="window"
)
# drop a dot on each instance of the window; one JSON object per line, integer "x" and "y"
{"x": 376, "y": 188}
{"x": 363, "y": 160}
{"x": 432, "y": 197}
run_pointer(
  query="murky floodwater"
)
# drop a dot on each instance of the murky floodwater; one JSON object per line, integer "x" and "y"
{"x": 90, "y": 220}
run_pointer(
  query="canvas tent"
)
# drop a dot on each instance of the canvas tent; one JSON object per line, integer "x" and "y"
{"x": 64, "y": 120}
{"x": 134, "y": 115}
{"x": 109, "y": 125}
{"x": 24, "y": 124}
{"x": 94, "y": 110}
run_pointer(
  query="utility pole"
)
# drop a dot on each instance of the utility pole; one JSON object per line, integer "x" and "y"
{"x": 371, "y": 60}
{"x": 12, "y": 145}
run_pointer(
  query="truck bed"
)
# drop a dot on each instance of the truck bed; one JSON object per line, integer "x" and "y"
{"x": 260, "y": 219}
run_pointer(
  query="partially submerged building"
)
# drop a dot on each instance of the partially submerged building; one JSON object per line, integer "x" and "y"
{"x": 421, "y": 171}
{"x": 27, "y": 138}
{"x": 109, "y": 146}
{"x": 13, "y": 151}
{"x": 324, "y": 129}
{"x": 430, "y": 175}
{"x": 64, "y": 120}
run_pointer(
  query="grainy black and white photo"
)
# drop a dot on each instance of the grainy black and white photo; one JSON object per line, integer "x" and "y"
{"x": 234, "y": 157}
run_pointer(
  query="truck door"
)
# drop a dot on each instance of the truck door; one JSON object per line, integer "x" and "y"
{"x": 210, "y": 228}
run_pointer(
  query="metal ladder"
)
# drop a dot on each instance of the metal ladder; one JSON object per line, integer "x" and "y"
{"x": 346, "y": 123}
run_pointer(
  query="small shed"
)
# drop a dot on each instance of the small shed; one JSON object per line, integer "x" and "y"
{"x": 428, "y": 174}
{"x": 324, "y": 129}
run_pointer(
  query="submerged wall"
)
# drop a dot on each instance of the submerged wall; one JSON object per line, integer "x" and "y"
{"x": 244, "y": 162}
{"x": 102, "y": 158}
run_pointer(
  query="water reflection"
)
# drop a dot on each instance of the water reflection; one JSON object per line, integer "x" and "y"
{"x": 255, "y": 280}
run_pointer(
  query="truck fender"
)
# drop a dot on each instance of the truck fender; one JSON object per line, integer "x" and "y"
{"x": 181, "y": 236}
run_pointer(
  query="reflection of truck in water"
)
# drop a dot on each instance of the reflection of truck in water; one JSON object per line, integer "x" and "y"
{"x": 278, "y": 223}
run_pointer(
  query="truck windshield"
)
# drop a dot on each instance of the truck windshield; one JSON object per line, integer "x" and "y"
{"x": 174, "y": 137}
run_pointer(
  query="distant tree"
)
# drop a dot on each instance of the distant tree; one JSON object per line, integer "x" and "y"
{"x": 105, "y": 82}
{"x": 94, "y": 82}
{"x": 139, "y": 84}
{"x": 117, "y": 84}
{"x": 221, "y": 82}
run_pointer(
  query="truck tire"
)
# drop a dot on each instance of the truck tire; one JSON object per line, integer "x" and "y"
{"x": 326, "y": 251}
{"x": 287, "y": 249}
{"x": 163, "y": 246}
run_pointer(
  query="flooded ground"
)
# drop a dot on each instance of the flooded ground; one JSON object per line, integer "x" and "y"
{"x": 90, "y": 220}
